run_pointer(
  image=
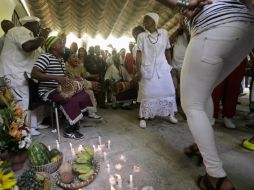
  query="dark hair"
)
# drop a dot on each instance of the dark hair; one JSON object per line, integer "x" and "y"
{"x": 137, "y": 30}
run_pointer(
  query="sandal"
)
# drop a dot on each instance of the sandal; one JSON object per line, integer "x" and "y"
{"x": 193, "y": 150}
{"x": 204, "y": 180}
{"x": 247, "y": 144}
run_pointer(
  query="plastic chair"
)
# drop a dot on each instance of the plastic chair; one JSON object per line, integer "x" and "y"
{"x": 35, "y": 101}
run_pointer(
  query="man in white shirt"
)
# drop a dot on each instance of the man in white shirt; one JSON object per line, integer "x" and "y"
{"x": 6, "y": 25}
{"x": 21, "y": 49}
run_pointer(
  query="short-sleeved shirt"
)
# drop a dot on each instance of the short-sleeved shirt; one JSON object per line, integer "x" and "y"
{"x": 50, "y": 65}
{"x": 14, "y": 59}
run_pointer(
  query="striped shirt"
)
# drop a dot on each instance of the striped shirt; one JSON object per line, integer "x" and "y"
{"x": 49, "y": 65}
{"x": 218, "y": 13}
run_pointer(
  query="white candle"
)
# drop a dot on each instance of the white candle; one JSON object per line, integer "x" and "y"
{"x": 73, "y": 153}
{"x": 71, "y": 145}
{"x": 112, "y": 187}
{"x": 109, "y": 144}
{"x": 57, "y": 145}
{"x": 108, "y": 167}
{"x": 80, "y": 148}
{"x": 131, "y": 181}
{"x": 112, "y": 180}
{"x": 122, "y": 157}
{"x": 99, "y": 140}
{"x": 105, "y": 156}
{"x": 119, "y": 181}
{"x": 118, "y": 166}
{"x": 49, "y": 148}
{"x": 99, "y": 148}
{"x": 94, "y": 148}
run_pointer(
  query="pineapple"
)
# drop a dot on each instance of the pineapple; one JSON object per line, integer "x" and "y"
{"x": 29, "y": 180}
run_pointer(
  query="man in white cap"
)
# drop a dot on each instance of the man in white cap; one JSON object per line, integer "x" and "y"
{"x": 21, "y": 49}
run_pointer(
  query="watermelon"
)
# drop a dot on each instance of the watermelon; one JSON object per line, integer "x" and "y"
{"x": 54, "y": 152}
{"x": 38, "y": 154}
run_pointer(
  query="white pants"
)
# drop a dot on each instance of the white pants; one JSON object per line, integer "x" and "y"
{"x": 20, "y": 90}
{"x": 19, "y": 87}
{"x": 210, "y": 57}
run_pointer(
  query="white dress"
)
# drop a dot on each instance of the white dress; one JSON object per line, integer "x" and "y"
{"x": 156, "y": 88}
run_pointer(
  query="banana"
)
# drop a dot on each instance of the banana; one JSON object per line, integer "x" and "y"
{"x": 82, "y": 168}
{"x": 87, "y": 175}
{"x": 89, "y": 151}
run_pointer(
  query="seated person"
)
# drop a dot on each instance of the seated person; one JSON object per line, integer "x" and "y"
{"x": 76, "y": 71}
{"x": 96, "y": 66}
{"x": 49, "y": 70}
{"x": 120, "y": 83}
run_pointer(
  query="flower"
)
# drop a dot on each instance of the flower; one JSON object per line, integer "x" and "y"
{"x": 14, "y": 129}
{"x": 7, "y": 180}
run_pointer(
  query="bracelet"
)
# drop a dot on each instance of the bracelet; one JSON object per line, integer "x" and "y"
{"x": 182, "y": 4}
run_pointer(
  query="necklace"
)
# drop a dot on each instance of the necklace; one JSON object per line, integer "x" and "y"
{"x": 153, "y": 40}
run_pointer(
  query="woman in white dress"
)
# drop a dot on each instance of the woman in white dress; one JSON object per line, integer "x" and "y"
{"x": 156, "y": 88}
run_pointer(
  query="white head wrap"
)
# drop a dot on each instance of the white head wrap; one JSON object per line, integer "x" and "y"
{"x": 155, "y": 17}
{"x": 27, "y": 19}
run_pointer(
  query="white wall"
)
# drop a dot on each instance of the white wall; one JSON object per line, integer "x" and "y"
{"x": 6, "y": 10}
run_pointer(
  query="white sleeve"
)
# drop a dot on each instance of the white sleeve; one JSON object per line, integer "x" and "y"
{"x": 19, "y": 35}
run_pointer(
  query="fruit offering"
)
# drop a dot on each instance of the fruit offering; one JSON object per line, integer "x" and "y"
{"x": 39, "y": 154}
{"x": 83, "y": 165}
{"x": 32, "y": 180}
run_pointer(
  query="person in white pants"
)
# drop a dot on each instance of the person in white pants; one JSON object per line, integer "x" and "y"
{"x": 221, "y": 36}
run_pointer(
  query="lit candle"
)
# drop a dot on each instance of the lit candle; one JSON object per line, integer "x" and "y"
{"x": 108, "y": 144}
{"x": 105, "y": 156}
{"x": 118, "y": 166}
{"x": 57, "y": 145}
{"x": 73, "y": 153}
{"x": 94, "y": 148}
{"x": 122, "y": 157}
{"x": 119, "y": 181}
{"x": 71, "y": 145}
{"x": 112, "y": 187}
{"x": 49, "y": 148}
{"x": 80, "y": 148}
{"x": 99, "y": 148}
{"x": 131, "y": 181}
{"x": 99, "y": 140}
{"x": 112, "y": 181}
{"x": 108, "y": 167}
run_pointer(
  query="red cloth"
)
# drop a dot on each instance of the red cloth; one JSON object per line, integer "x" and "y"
{"x": 129, "y": 61}
{"x": 227, "y": 92}
{"x": 72, "y": 107}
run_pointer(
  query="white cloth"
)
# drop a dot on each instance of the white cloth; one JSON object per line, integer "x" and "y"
{"x": 27, "y": 19}
{"x": 179, "y": 51}
{"x": 210, "y": 57}
{"x": 15, "y": 61}
{"x": 113, "y": 73}
{"x": 155, "y": 17}
{"x": 1, "y": 43}
{"x": 1, "y": 47}
{"x": 156, "y": 90}
{"x": 134, "y": 51}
